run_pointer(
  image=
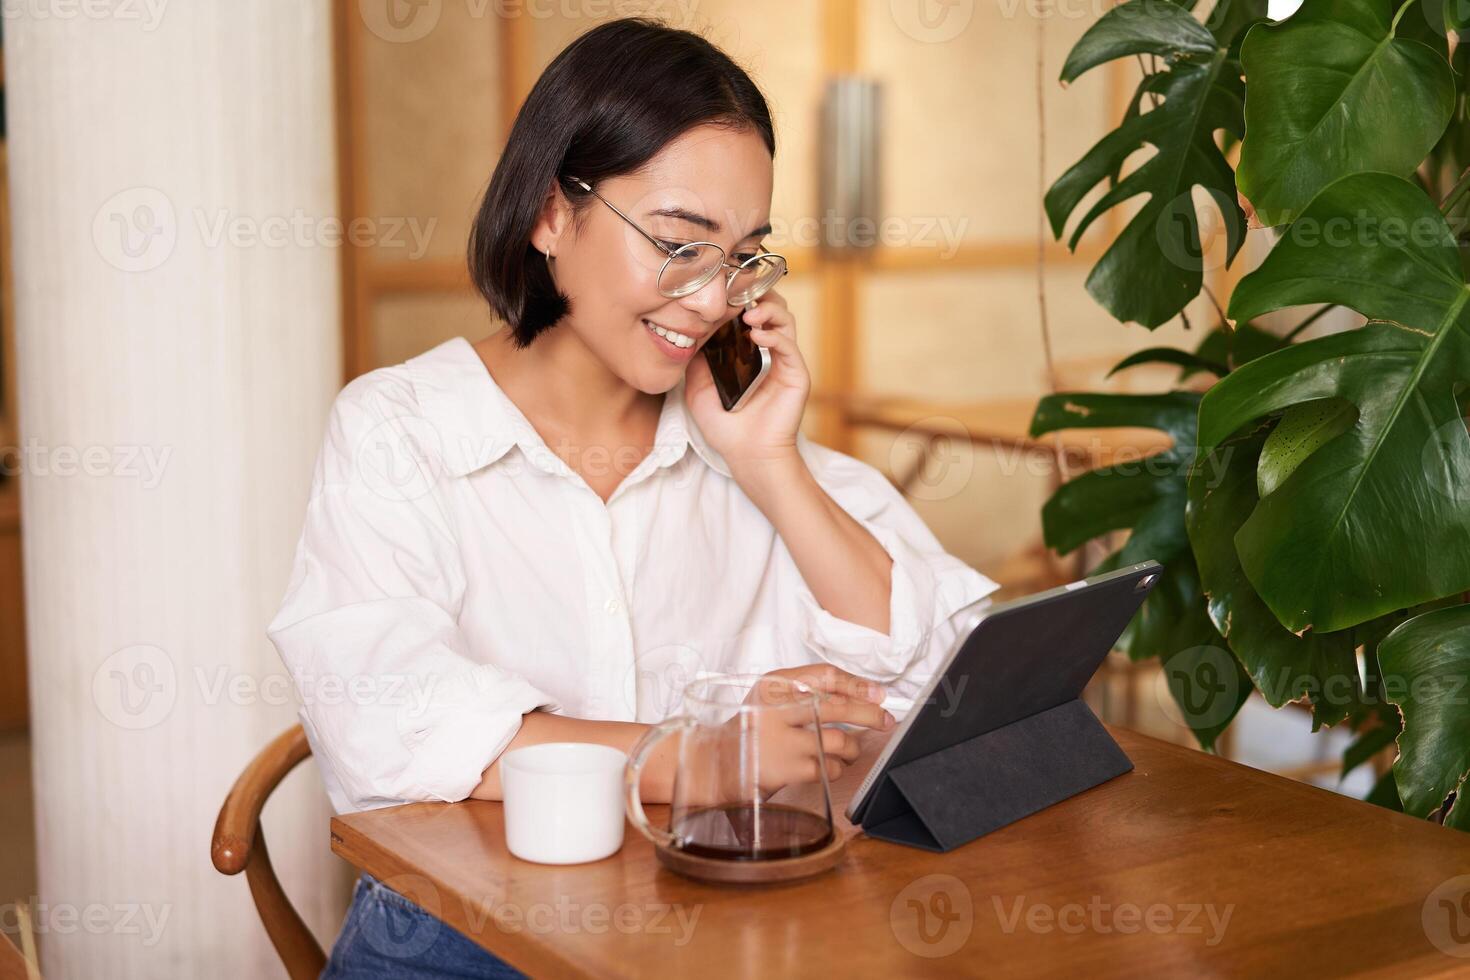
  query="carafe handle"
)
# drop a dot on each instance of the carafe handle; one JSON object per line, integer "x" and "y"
{"x": 633, "y": 773}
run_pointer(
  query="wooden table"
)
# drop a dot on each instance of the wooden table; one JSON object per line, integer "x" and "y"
{"x": 1189, "y": 865}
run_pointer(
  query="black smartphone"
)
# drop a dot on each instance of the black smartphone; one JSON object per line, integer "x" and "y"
{"x": 737, "y": 363}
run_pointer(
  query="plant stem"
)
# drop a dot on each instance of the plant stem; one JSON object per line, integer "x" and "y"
{"x": 1151, "y": 68}
{"x": 1456, "y": 193}
{"x": 1393, "y": 29}
{"x": 1308, "y": 322}
{"x": 1041, "y": 308}
{"x": 1211, "y": 294}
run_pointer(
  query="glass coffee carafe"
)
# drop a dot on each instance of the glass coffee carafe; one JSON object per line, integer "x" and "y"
{"x": 750, "y": 780}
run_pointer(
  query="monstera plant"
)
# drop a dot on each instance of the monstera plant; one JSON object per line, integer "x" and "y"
{"x": 1313, "y": 513}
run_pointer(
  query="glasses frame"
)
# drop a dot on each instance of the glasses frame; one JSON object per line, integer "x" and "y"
{"x": 672, "y": 253}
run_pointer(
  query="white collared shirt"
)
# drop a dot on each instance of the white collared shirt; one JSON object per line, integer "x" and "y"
{"x": 453, "y": 573}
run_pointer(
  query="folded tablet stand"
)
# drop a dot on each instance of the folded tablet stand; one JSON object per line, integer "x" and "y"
{"x": 950, "y": 797}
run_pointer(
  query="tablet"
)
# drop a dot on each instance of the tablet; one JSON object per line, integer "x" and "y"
{"x": 1022, "y": 658}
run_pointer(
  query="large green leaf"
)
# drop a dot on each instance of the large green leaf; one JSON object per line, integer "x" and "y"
{"x": 1439, "y": 16}
{"x": 1238, "y": 345}
{"x": 1112, "y": 498}
{"x": 1456, "y": 209}
{"x": 1155, "y": 266}
{"x": 1385, "y": 793}
{"x": 1424, "y": 20}
{"x": 1320, "y": 668}
{"x": 1331, "y": 92}
{"x": 1377, "y": 518}
{"x": 1447, "y": 169}
{"x": 1368, "y": 744}
{"x": 1222, "y": 349}
{"x": 1376, "y": 719}
{"x": 1188, "y": 363}
{"x": 1205, "y": 680}
{"x": 1145, "y": 495}
{"x": 1229, "y": 20}
{"x": 1456, "y": 13}
{"x": 1303, "y": 430}
{"x": 1172, "y": 413}
{"x": 1157, "y": 27}
{"x": 1427, "y": 664}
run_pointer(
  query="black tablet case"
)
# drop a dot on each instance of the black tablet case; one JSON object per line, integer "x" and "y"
{"x": 1028, "y": 740}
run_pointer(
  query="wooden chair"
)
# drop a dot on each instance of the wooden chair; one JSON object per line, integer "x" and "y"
{"x": 238, "y": 845}
{"x": 14, "y": 965}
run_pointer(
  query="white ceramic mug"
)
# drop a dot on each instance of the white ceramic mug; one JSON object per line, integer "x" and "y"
{"x": 563, "y": 801}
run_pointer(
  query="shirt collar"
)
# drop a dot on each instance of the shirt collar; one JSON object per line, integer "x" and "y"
{"x": 475, "y": 423}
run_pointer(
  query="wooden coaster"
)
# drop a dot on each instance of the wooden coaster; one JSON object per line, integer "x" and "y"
{"x": 753, "y": 872}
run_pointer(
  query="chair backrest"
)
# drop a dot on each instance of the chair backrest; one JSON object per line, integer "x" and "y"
{"x": 15, "y": 964}
{"x": 238, "y": 845}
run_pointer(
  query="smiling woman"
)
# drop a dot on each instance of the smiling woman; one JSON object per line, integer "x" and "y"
{"x": 594, "y": 115}
{"x": 544, "y": 533}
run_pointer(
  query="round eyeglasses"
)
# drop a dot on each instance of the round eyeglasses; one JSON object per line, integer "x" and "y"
{"x": 687, "y": 268}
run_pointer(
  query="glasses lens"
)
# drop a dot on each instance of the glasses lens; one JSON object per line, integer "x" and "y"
{"x": 755, "y": 277}
{"x": 689, "y": 268}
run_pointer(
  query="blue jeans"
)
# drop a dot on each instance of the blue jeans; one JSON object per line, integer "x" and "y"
{"x": 387, "y": 936}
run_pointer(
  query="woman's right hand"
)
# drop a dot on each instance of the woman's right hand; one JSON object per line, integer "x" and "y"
{"x": 788, "y": 748}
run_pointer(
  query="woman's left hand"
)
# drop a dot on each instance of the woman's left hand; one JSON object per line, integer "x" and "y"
{"x": 764, "y": 429}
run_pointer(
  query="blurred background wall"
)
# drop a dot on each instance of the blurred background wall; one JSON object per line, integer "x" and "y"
{"x": 180, "y": 175}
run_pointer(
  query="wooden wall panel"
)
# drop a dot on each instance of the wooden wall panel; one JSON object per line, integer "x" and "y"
{"x": 983, "y": 505}
{"x": 406, "y": 324}
{"x": 776, "y": 42}
{"x": 968, "y": 334}
{"x": 804, "y": 299}
{"x": 960, "y": 123}
{"x": 430, "y": 130}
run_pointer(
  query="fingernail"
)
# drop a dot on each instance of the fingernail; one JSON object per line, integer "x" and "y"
{"x": 888, "y": 721}
{"x": 875, "y": 692}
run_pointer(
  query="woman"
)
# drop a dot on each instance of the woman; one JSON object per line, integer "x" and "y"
{"x": 539, "y": 537}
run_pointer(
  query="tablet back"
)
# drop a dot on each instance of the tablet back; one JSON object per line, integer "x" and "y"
{"x": 1024, "y": 658}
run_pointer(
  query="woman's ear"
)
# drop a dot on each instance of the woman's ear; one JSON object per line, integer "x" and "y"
{"x": 544, "y": 303}
{"x": 554, "y": 221}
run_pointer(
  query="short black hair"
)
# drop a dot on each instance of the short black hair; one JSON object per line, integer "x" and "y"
{"x": 603, "y": 108}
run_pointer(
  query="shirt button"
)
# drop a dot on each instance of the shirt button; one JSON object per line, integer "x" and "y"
{"x": 612, "y": 606}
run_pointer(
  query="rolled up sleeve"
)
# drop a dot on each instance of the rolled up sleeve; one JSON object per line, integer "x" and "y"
{"x": 399, "y": 709}
{"x": 935, "y": 599}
